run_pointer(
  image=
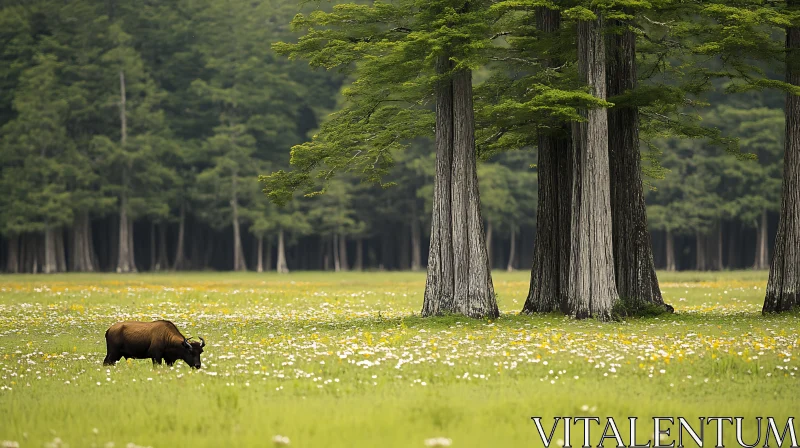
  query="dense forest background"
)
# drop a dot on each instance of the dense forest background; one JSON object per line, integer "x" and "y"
{"x": 132, "y": 135}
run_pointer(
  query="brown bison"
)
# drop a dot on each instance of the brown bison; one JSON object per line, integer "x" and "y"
{"x": 159, "y": 340}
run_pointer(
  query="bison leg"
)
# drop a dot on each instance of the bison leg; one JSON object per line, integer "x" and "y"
{"x": 156, "y": 360}
{"x": 111, "y": 359}
{"x": 112, "y": 354}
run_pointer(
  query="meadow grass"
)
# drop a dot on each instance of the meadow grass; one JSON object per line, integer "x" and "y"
{"x": 344, "y": 360}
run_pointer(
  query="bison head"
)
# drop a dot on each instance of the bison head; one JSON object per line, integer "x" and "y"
{"x": 192, "y": 352}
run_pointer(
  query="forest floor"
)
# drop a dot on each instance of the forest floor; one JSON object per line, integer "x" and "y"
{"x": 343, "y": 360}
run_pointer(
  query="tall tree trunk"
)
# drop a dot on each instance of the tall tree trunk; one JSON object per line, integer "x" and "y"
{"x": 282, "y": 268}
{"x": 49, "y": 265}
{"x": 701, "y": 251}
{"x": 125, "y": 256}
{"x": 239, "y": 263}
{"x": 260, "y": 254}
{"x": 12, "y": 260}
{"x": 344, "y": 266}
{"x": 762, "y": 251}
{"x": 459, "y": 279}
{"x": 783, "y": 286}
{"x": 359, "y": 266}
{"x": 337, "y": 266}
{"x": 512, "y": 249}
{"x": 670, "y": 243}
{"x": 180, "y": 256}
{"x": 592, "y": 291}
{"x": 552, "y": 243}
{"x": 634, "y": 266}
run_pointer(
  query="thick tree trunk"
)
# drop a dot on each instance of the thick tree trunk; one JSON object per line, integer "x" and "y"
{"x": 670, "y": 243}
{"x": 701, "y": 251}
{"x": 552, "y": 243}
{"x": 125, "y": 256}
{"x": 440, "y": 276}
{"x": 592, "y": 291}
{"x": 260, "y": 255}
{"x": 180, "y": 256}
{"x": 783, "y": 286}
{"x": 359, "y": 266}
{"x": 239, "y": 263}
{"x": 634, "y": 267}
{"x": 343, "y": 265}
{"x": 282, "y": 267}
{"x": 512, "y": 250}
{"x": 459, "y": 280}
{"x": 12, "y": 259}
{"x": 762, "y": 251}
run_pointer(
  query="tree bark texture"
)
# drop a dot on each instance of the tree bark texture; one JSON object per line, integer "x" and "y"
{"x": 634, "y": 266}
{"x": 592, "y": 290}
{"x": 784, "y": 273}
{"x": 551, "y": 256}
{"x": 81, "y": 256}
{"x": 459, "y": 280}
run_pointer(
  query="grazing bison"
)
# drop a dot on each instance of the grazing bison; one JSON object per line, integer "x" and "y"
{"x": 159, "y": 340}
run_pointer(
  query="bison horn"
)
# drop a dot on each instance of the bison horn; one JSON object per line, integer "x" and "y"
{"x": 186, "y": 343}
{"x": 203, "y": 341}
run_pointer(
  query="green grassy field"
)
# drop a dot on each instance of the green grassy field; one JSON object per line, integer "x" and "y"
{"x": 342, "y": 360}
